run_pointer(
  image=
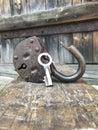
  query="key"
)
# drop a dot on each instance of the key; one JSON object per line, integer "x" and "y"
{"x": 47, "y": 77}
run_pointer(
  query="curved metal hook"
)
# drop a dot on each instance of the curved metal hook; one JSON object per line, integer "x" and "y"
{"x": 81, "y": 66}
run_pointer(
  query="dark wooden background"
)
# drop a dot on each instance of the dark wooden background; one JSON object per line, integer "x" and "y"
{"x": 86, "y": 42}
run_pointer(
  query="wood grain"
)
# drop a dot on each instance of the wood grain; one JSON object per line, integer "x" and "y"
{"x": 53, "y": 47}
{"x": 83, "y": 41}
{"x": 63, "y": 107}
{"x": 95, "y": 47}
{"x": 34, "y": 13}
{"x": 64, "y": 55}
{"x": 76, "y": 2}
{"x": 52, "y": 17}
{"x": 5, "y": 10}
{"x": 7, "y": 52}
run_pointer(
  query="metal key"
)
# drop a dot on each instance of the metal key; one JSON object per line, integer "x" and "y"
{"x": 47, "y": 77}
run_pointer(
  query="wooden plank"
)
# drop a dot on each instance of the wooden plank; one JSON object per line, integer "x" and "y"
{"x": 64, "y": 55}
{"x": 62, "y": 107}
{"x": 41, "y": 4}
{"x": 87, "y": 47}
{"x": 52, "y": 17}
{"x": 95, "y": 47}
{"x": 7, "y": 70}
{"x": 84, "y": 44}
{"x": 76, "y": 36}
{"x": 77, "y": 2}
{"x": 6, "y": 51}
{"x": 43, "y": 41}
{"x": 32, "y": 6}
{"x": 64, "y": 3}
{"x": 52, "y": 41}
{"x": 61, "y": 3}
{"x": 5, "y": 10}
{"x": 16, "y": 7}
{"x": 51, "y": 4}
{"x": 87, "y": 26}
{"x": 77, "y": 42}
{"x": 1, "y": 3}
{"x": 26, "y": 6}
{"x": 16, "y": 41}
{"x": 53, "y": 47}
{"x": 9, "y": 51}
{"x": 90, "y": 75}
{"x": 3, "y": 51}
{"x": 89, "y": 44}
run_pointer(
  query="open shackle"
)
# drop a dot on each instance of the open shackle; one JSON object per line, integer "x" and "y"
{"x": 81, "y": 66}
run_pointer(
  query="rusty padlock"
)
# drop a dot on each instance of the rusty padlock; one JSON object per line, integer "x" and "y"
{"x": 25, "y": 59}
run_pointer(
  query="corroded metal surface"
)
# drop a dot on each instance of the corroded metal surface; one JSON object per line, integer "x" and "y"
{"x": 51, "y": 30}
{"x": 28, "y": 65}
{"x": 80, "y": 71}
{"x": 30, "y": 106}
{"x": 25, "y": 59}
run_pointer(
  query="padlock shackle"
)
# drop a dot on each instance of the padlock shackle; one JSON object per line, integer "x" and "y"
{"x": 80, "y": 71}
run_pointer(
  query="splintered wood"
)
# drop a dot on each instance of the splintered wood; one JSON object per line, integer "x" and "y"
{"x": 31, "y": 106}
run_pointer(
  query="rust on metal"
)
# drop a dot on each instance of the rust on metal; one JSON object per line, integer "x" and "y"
{"x": 81, "y": 67}
{"x": 26, "y": 63}
{"x": 51, "y": 30}
{"x": 25, "y": 59}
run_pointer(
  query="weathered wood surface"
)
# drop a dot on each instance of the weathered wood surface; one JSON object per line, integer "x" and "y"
{"x": 95, "y": 46}
{"x": 51, "y": 17}
{"x": 85, "y": 42}
{"x": 30, "y": 106}
{"x": 18, "y": 7}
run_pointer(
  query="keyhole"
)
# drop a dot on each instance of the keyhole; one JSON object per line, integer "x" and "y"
{"x": 23, "y": 66}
